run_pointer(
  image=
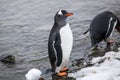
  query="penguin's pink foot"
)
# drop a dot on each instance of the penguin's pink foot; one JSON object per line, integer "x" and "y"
{"x": 61, "y": 74}
{"x": 110, "y": 41}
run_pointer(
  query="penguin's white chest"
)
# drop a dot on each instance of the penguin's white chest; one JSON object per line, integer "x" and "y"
{"x": 66, "y": 43}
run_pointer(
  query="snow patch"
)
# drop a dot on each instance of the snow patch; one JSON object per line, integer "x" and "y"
{"x": 104, "y": 68}
{"x": 33, "y": 74}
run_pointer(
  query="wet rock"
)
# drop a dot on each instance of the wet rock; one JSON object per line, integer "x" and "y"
{"x": 63, "y": 78}
{"x": 79, "y": 62}
{"x": 41, "y": 78}
{"x": 55, "y": 77}
{"x": 7, "y": 58}
{"x": 116, "y": 46}
{"x": 68, "y": 78}
{"x": 97, "y": 53}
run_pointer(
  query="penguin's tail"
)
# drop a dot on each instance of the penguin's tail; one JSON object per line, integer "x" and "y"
{"x": 86, "y": 31}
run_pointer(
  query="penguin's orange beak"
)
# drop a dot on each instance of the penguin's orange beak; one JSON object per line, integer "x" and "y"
{"x": 69, "y": 14}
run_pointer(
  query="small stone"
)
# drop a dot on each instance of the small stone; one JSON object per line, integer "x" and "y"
{"x": 41, "y": 78}
{"x": 7, "y": 58}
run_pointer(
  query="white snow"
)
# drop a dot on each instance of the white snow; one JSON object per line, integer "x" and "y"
{"x": 33, "y": 74}
{"x": 104, "y": 68}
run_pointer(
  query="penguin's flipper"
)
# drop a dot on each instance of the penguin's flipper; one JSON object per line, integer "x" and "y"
{"x": 52, "y": 56}
{"x": 55, "y": 51}
{"x": 58, "y": 49}
{"x": 111, "y": 27}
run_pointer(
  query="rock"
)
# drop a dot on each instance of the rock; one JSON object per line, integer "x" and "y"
{"x": 97, "y": 53}
{"x": 7, "y": 58}
{"x": 41, "y": 78}
{"x": 55, "y": 77}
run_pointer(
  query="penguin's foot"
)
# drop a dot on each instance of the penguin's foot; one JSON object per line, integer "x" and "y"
{"x": 64, "y": 69}
{"x": 110, "y": 41}
{"x": 62, "y": 74}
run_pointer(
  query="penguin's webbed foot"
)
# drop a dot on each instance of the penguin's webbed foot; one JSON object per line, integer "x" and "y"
{"x": 64, "y": 69}
{"x": 109, "y": 43}
{"x": 61, "y": 74}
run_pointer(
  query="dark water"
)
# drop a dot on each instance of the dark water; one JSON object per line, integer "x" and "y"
{"x": 25, "y": 26}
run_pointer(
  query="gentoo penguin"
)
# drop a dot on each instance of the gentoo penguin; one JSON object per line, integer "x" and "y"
{"x": 60, "y": 43}
{"x": 102, "y": 27}
{"x": 33, "y": 74}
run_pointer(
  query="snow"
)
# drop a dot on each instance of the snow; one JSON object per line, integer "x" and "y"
{"x": 104, "y": 68}
{"x": 33, "y": 74}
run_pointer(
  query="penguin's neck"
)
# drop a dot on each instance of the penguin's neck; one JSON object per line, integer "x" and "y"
{"x": 58, "y": 26}
{"x": 61, "y": 23}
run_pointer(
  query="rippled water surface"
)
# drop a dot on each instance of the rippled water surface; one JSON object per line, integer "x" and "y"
{"x": 25, "y": 27}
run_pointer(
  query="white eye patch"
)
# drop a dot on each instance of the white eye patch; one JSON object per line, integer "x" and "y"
{"x": 60, "y": 13}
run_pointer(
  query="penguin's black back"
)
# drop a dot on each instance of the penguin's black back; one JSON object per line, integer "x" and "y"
{"x": 54, "y": 47}
{"x": 99, "y": 26}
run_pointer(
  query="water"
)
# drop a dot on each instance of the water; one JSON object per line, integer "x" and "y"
{"x": 25, "y": 27}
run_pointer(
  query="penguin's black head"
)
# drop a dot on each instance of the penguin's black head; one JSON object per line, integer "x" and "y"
{"x": 61, "y": 16}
